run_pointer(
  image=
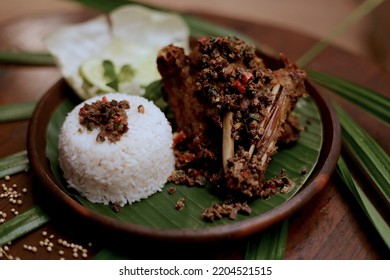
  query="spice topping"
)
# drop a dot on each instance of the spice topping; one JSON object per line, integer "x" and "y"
{"x": 108, "y": 116}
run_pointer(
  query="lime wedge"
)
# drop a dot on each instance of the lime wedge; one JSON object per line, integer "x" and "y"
{"x": 92, "y": 71}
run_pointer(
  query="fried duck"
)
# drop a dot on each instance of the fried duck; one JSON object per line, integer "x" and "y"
{"x": 231, "y": 112}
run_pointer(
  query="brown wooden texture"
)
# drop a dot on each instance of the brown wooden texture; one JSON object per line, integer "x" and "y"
{"x": 331, "y": 226}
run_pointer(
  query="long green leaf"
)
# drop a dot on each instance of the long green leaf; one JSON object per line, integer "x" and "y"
{"x": 22, "y": 224}
{"x": 13, "y": 164}
{"x": 269, "y": 245}
{"x": 371, "y": 157}
{"x": 361, "y": 11}
{"x": 369, "y": 209}
{"x": 26, "y": 58}
{"x": 17, "y": 111}
{"x": 369, "y": 100}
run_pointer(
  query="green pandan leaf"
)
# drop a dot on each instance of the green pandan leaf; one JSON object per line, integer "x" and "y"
{"x": 269, "y": 244}
{"x": 22, "y": 224}
{"x": 369, "y": 100}
{"x": 370, "y": 156}
{"x": 26, "y": 58}
{"x": 14, "y": 163}
{"x": 17, "y": 111}
{"x": 369, "y": 209}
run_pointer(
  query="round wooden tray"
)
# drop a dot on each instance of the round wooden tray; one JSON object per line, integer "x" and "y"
{"x": 327, "y": 161}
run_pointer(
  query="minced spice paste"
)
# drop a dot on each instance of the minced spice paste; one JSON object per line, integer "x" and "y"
{"x": 108, "y": 116}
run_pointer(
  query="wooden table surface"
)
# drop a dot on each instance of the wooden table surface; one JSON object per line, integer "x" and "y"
{"x": 331, "y": 226}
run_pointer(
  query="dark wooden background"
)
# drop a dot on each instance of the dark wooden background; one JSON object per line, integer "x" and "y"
{"x": 331, "y": 226}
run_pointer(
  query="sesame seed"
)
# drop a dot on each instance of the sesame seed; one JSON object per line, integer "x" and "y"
{"x": 44, "y": 233}
{"x": 49, "y": 249}
{"x": 61, "y": 252}
{"x": 19, "y": 202}
{"x": 24, "y": 190}
{"x": 75, "y": 255}
{"x": 7, "y": 177}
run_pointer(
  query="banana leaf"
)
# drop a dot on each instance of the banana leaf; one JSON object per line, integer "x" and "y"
{"x": 159, "y": 209}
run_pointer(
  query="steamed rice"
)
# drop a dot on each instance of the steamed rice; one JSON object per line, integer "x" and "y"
{"x": 131, "y": 169}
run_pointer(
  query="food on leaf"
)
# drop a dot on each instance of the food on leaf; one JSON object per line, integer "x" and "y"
{"x": 112, "y": 153}
{"x": 231, "y": 111}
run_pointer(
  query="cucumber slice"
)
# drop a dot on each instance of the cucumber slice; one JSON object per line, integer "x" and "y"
{"x": 92, "y": 71}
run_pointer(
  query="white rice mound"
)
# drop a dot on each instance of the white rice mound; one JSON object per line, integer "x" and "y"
{"x": 125, "y": 171}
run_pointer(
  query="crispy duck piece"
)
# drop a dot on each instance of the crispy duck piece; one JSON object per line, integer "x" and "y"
{"x": 231, "y": 108}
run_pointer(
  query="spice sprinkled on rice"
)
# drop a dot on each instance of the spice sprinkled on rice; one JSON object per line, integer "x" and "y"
{"x": 136, "y": 161}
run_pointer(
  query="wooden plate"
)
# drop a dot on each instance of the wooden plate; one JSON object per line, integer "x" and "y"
{"x": 41, "y": 167}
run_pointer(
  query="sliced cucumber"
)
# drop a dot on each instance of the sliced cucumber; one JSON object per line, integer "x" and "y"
{"x": 92, "y": 71}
